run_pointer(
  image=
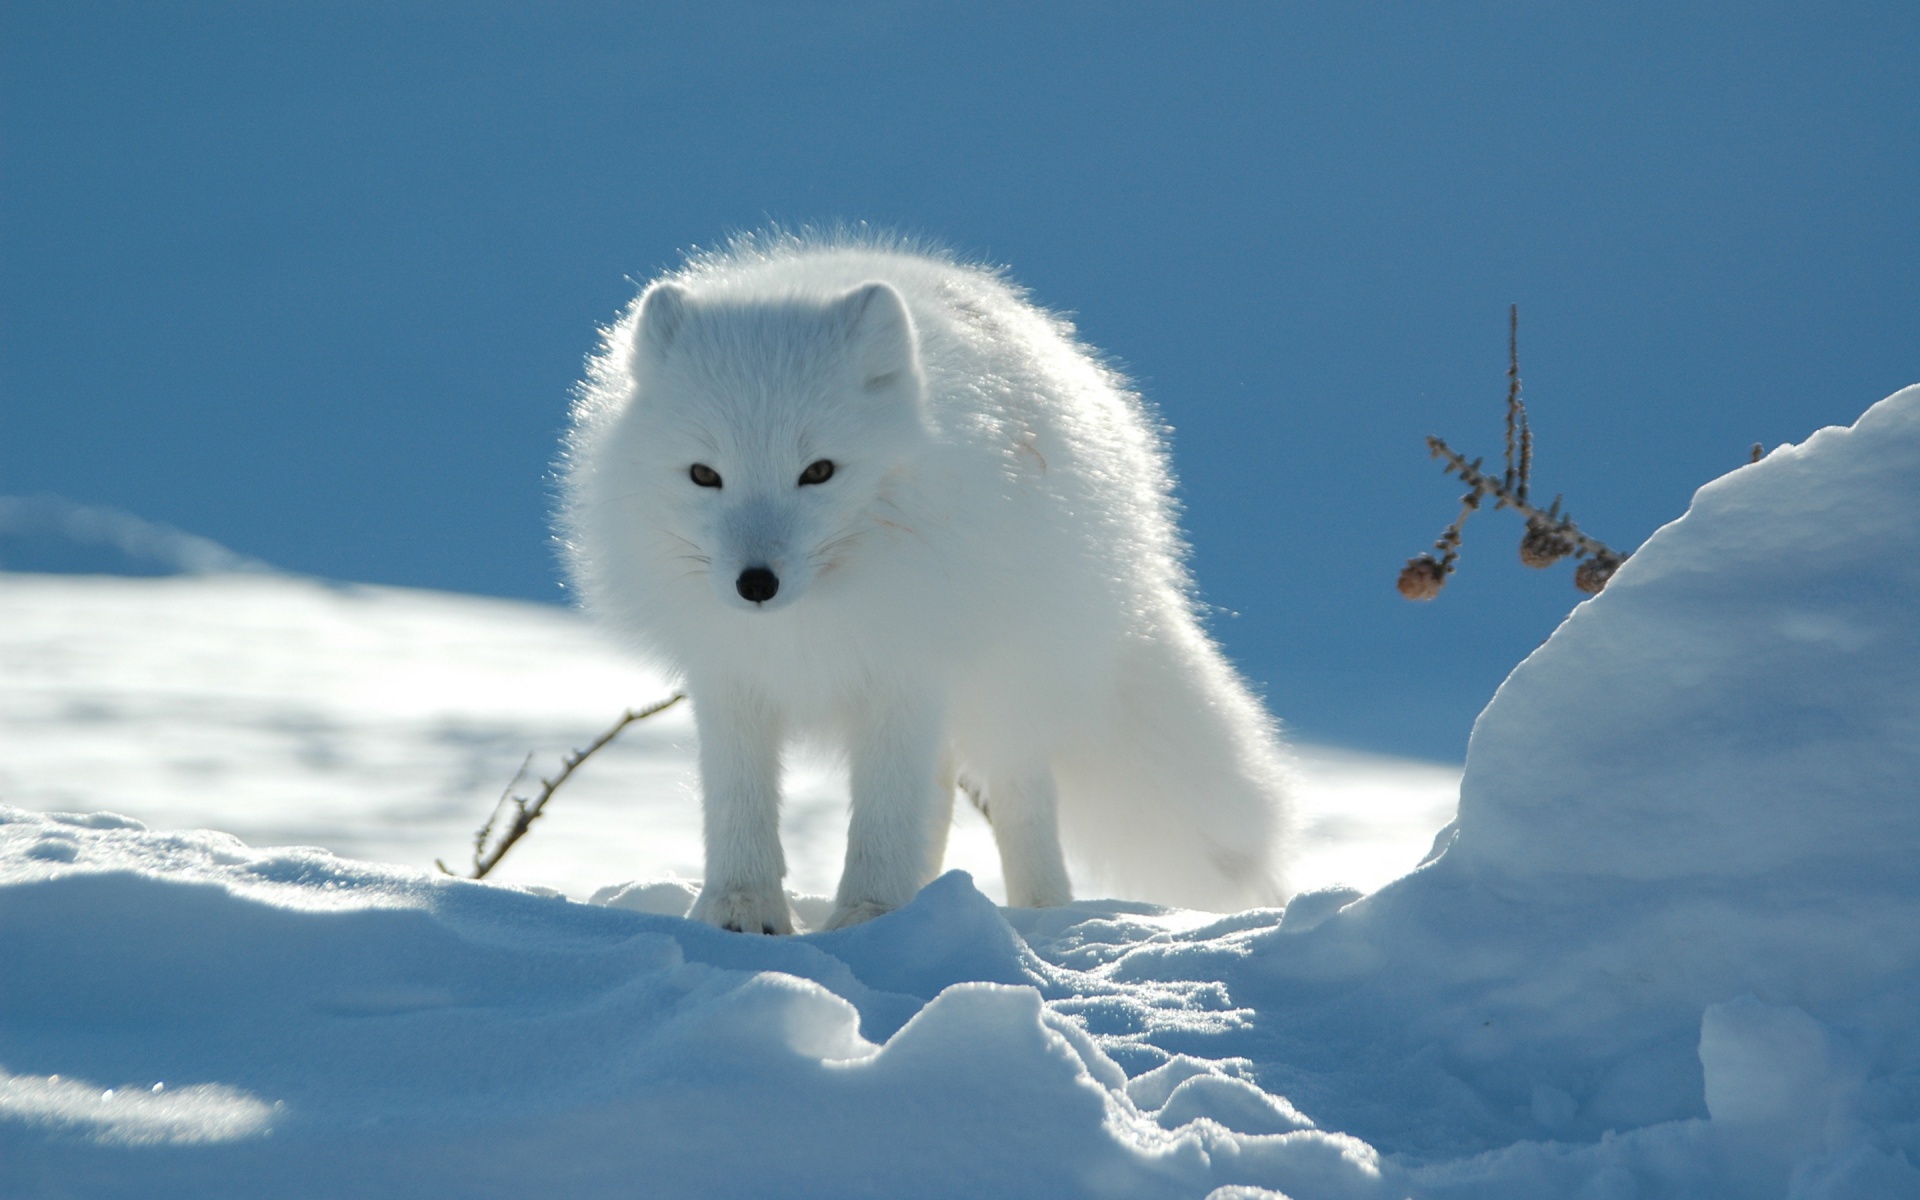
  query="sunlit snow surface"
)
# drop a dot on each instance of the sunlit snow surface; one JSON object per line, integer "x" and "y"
{"x": 382, "y": 724}
{"x": 1672, "y": 948}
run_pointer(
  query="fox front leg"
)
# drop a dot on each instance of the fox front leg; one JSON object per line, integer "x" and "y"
{"x": 740, "y": 737}
{"x": 896, "y": 760}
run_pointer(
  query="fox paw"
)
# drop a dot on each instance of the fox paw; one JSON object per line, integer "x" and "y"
{"x": 856, "y": 912}
{"x": 745, "y": 910}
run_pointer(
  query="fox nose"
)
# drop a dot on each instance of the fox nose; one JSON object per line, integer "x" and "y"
{"x": 757, "y": 584}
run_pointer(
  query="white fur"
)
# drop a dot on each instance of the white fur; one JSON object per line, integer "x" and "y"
{"x": 989, "y": 589}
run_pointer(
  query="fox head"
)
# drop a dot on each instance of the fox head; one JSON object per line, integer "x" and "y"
{"x": 765, "y": 432}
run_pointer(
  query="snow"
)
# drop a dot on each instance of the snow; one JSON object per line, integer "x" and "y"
{"x": 1670, "y": 947}
{"x": 381, "y": 723}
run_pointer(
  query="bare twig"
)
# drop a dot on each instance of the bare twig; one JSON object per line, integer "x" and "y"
{"x": 1551, "y": 534}
{"x": 1504, "y": 497}
{"x": 1516, "y": 477}
{"x": 486, "y": 830}
{"x": 1517, "y": 406}
{"x": 525, "y": 811}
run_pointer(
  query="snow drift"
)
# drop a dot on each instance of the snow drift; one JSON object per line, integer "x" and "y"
{"x": 1670, "y": 948}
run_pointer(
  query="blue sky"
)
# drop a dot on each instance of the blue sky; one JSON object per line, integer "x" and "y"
{"x": 313, "y": 280}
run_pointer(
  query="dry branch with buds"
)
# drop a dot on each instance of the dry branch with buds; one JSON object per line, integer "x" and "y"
{"x": 1550, "y": 535}
{"x": 525, "y": 811}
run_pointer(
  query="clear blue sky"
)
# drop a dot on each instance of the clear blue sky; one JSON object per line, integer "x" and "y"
{"x": 313, "y": 279}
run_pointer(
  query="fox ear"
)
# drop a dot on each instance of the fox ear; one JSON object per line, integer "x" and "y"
{"x": 881, "y": 332}
{"x": 663, "y": 310}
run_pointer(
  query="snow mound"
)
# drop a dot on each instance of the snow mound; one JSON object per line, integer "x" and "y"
{"x": 201, "y": 1018}
{"x": 1741, "y": 702}
{"x": 1670, "y": 948}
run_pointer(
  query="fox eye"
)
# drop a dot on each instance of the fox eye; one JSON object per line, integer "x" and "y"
{"x": 817, "y": 472}
{"x": 704, "y": 475}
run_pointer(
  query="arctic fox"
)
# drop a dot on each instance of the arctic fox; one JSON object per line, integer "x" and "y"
{"x": 854, "y": 492}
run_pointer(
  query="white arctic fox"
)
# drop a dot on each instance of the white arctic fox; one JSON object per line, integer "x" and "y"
{"x": 853, "y": 492}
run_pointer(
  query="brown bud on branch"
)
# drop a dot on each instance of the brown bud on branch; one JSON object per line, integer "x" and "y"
{"x": 1544, "y": 545}
{"x": 1422, "y": 578}
{"x": 1592, "y": 575}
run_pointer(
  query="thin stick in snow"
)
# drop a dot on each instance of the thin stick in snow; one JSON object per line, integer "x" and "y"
{"x": 1551, "y": 534}
{"x": 525, "y": 811}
